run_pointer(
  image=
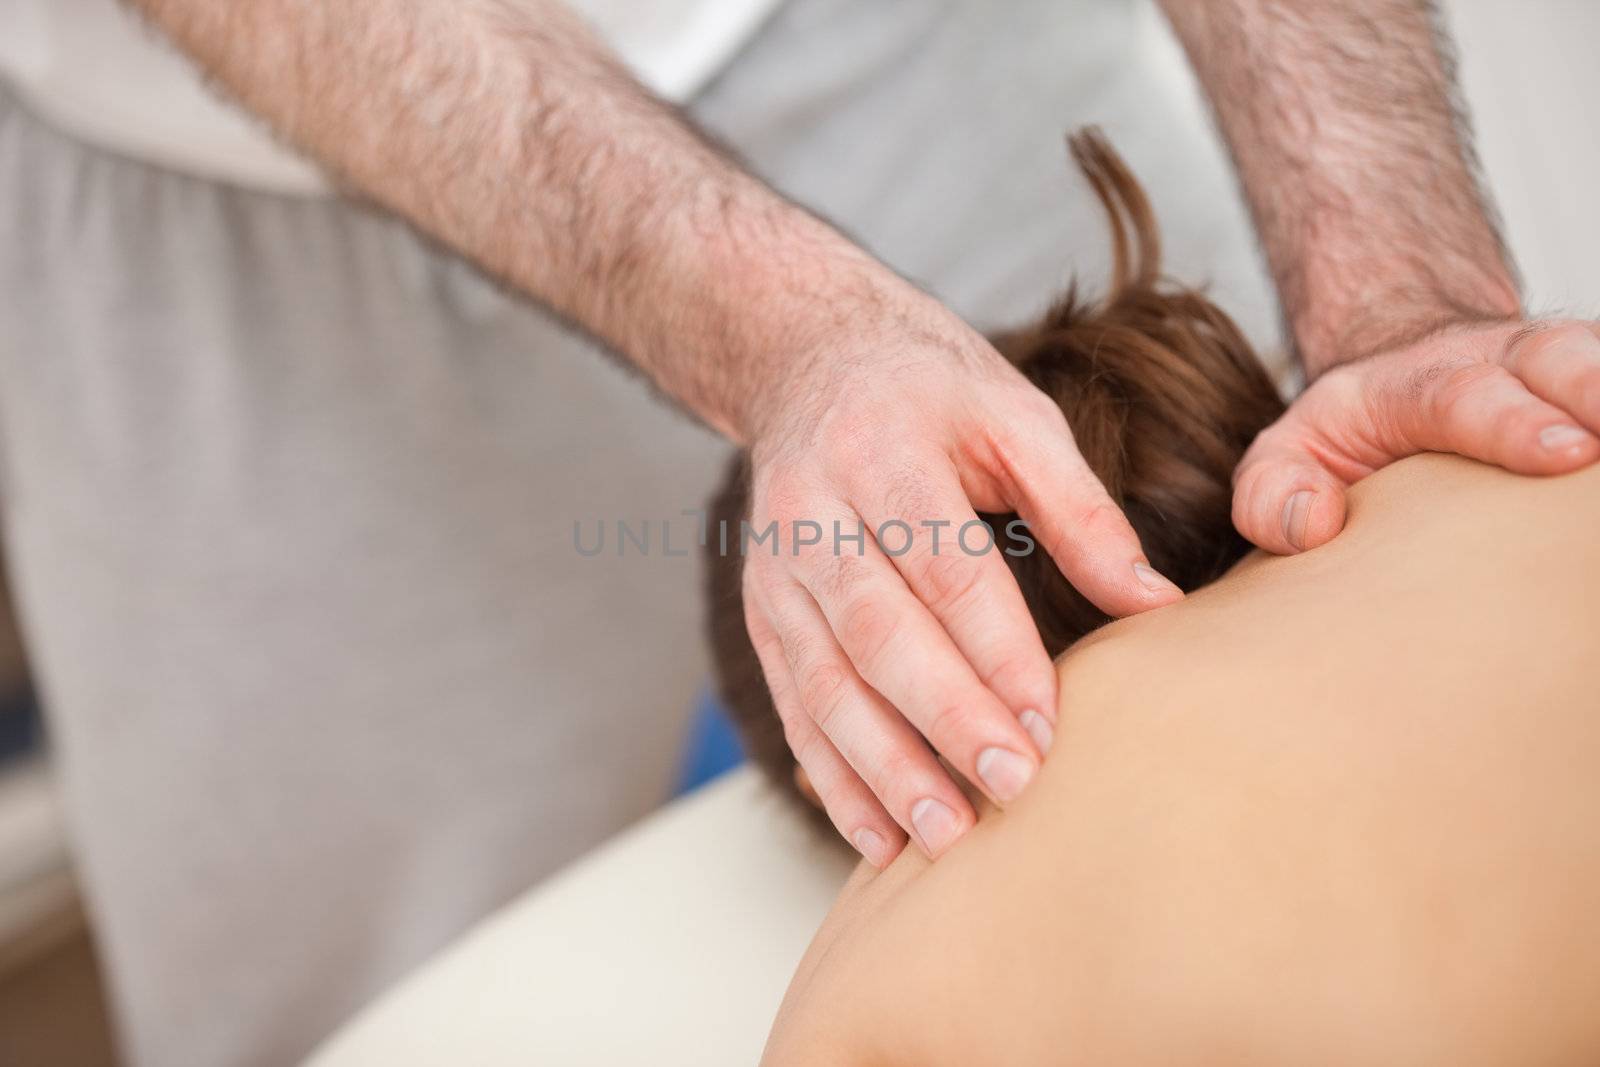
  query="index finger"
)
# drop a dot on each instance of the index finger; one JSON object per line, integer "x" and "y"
{"x": 952, "y": 563}
{"x": 1083, "y": 529}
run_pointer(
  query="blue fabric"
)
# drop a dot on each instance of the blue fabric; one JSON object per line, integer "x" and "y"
{"x": 20, "y": 732}
{"x": 713, "y": 745}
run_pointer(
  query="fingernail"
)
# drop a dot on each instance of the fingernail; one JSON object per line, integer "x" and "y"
{"x": 1295, "y": 513}
{"x": 1004, "y": 772}
{"x": 1560, "y": 438}
{"x": 935, "y": 824}
{"x": 1038, "y": 728}
{"x": 871, "y": 844}
{"x": 1151, "y": 578}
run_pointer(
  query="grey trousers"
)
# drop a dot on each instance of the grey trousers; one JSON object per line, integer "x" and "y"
{"x": 288, "y": 498}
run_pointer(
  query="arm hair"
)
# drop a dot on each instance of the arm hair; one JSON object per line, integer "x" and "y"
{"x": 506, "y": 130}
{"x": 1357, "y": 162}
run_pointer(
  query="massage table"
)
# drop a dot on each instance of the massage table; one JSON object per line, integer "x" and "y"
{"x": 670, "y": 945}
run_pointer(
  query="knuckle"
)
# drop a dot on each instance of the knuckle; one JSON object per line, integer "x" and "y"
{"x": 1099, "y": 517}
{"x": 896, "y": 781}
{"x": 839, "y": 800}
{"x": 1038, "y": 410}
{"x": 1040, "y": 428}
{"x": 800, "y": 736}
{"x": 824, "y": 690}
{"x": 1426, "y": 384}
{"x": 1065, "y": 546}
{"x": 947, "y": 580}
{"x": 865, "y": 630}
{"x": 781, "y": 497}
{"x": 1274, "y": 440}
{"x": 1281, "y": 436}
{"x": 834, "y": 576}
{"x": 800, "y": 646}
{"x": 1014, "y": 675}
{"x": 1045, "y": 406}
{"x": 1349, "y": 395}
{"x": 1451, "y": 386}
{"x": 810, "y": 749}
{"x": 906, "y": 492}
{"x": 1518, "y": 421}
{"x": 1338, "y": 389}
{"x": 1091, "y": 529}
{"x": 951, "y": 720}
{"x": 853, "y": 430}
{"x": 1095, "y": 524}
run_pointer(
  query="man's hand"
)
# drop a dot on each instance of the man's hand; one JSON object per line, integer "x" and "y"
{"x": 1520, "y": 396}
{"x": 1356, "y": 159}
{"x": 875, "y": 651}
{"x": 508, "y": 132}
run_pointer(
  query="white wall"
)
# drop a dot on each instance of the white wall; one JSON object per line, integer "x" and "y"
{"x": 1532, "y": 81}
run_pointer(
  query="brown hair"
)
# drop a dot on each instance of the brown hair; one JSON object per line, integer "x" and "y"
{"x": 1163, "y": 394}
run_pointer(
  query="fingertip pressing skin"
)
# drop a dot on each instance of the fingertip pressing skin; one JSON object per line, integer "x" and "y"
{"x": 937, "y": 825}
{"x": 874, "y": 848}
{"x": 1104, "y": 561}
{"x": 1540, "y": 440}
{"x": 885, "y": 765}
{"x": 1116, "y": 587}
{"x": 1563, "y": 438}
{"x": 1085, "y": 532}
{"x": 1039, "y": 730}
{"x": 1004, "y": 773}
{"x": 1565, "y": 447}
{"x": 1313, "y": 516}
{"x": 1287, "y": 508}
{"x": 1296, "y": 513}
{"x": 1259, "y": 508}
{"x": 1159, "y": 589}
{"x": 1038, "y": 708}
{"x": 832, "y": 785}
{"x": 878, "y": 846}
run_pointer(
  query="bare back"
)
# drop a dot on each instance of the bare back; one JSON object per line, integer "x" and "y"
{"x": 1337, "y": 808}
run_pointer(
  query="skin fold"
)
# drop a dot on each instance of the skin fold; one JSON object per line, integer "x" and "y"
{"x": 1335, "y": 808}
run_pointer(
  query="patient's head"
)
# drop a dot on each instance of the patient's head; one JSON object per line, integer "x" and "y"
{"x": 1163, "y": 395}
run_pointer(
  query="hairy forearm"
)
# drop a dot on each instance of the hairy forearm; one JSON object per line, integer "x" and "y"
{"x": 1342, "y": 122}
{"x": 506, "y": 131}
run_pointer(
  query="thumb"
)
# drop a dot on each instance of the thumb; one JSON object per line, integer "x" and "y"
{"x": 1284, "y": 500}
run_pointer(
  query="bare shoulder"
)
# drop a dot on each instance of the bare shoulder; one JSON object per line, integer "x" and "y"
{"x": 1337, "y": 801}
